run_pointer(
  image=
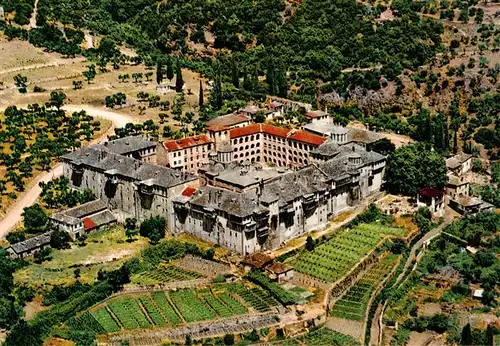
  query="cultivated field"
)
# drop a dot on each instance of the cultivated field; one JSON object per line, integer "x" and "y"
{"x": 164, "y": 273}
{"x": 174, "y": 308}
{"x": 353, "y": 304}
{"x": 330, "y": 261}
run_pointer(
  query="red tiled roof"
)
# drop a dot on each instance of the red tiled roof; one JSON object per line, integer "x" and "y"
{"x": 275, "y": 130}
{"x": 299, "y": 136}
{"x": 89, "y": 224}
{"x": 257, "y": 259}
{"x": 178, "y": 144}
{"x": 315, "y": 114}
{"x": 279, "y": 268}
{"x": 245, "y": 131}
{"x": 430, "y": 192}
{"x": 217, "y": 128}
{"x": 306, "y": 137}
{"x": 274, "y": 104}
{"x": 188, "y": 191}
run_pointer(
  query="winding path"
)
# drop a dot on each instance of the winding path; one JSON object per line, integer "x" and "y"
{"x": 29, "y": 197}
{"x": 34, "y": 15}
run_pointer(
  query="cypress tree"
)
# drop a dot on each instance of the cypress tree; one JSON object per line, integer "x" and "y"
{"x": 490, "y": 335}
{"x": 179, "y": 82}
{"x": 466, "y": 335}
{"x": 270, "y": 79}
{"x": 200, "y": 102}
{"x": 235, "y": 76}
{"x": 159, "y": 72}
{"x": 170, "y": 69}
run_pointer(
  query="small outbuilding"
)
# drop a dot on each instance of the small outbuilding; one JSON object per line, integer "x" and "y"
{"x": 432, "y": 198}
{"x": 280, "y": 272}
{"x": 29, "y": 246}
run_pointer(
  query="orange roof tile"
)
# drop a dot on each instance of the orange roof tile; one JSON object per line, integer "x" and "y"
{"x": 188, "y": 191}
{"x": 178, "y": 144}
{"x": 299, "y": 136}
{"x": 89, "y": 224}
{"x": 306, "y": 137}
{"x": 315, "y": 114}
{"x": 217, "y": 128}
{"x": 245, "y": 131}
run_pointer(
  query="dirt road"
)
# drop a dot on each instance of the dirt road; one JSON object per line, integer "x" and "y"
{"x": 29, "y": 197}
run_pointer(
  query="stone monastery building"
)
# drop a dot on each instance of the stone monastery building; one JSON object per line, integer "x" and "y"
{"x": 248, "y": 187}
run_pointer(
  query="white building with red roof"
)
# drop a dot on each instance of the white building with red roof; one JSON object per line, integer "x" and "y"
{"x": 186, "y": 154}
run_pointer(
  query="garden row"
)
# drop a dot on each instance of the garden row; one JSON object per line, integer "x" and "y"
{"x": 276, "y": 290}
{"x": 353, "y": 304}
{"x": 165, "y": 273}
{"x": 169, "y": 309}
{"x": 333, "y": 259}
{"x": 319, "y": 337}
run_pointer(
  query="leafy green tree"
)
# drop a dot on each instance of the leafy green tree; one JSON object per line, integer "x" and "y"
{"x": 43, "y": 255}
{"x": 310, "y": 244}
{"x": 35, "y": 219}
{"x": 9, "y": 313}
{"x": 60, "y": 239}
{"x": 136, "y": 76}
{"x": 148, "y": 75}
{"x": 383, "y": 146}
{"x": 56, "y": 99}
{"x": 15, "y": 237}
{"x": 412, "y": 167}
{"x": 153, "y": 228}
{"x": 21, "y": 83}
{"x": 130, "y": 227}
{"x": 77, "y": 84}
{"x": 89, "y": 75}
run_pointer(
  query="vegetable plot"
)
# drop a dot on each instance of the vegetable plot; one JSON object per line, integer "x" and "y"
{"x": 353, "y": 304}
{"x": 332, "y": 260}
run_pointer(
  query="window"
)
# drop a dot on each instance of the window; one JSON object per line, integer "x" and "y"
{"x": 252, "y": 145}
{"x": 251, "y": 137}
{"x": 257, "y": 136}
{"x": 241, "y": 140}
{"x": 246, "y": 139}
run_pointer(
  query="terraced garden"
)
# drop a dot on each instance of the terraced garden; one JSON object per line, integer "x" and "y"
{"x": 165, "y": 273}
{"x": 333, "y": 259}
{"x": 319, "y": 337}
{"x": 173, "y": 308}
{"x": 353, "y": 304}
{"x": 325, "y": 336}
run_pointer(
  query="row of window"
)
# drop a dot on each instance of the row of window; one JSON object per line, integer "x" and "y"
{"x": 198, "y": 149}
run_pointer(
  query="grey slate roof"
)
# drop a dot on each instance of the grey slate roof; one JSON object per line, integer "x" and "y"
{"x": 104, "y": 217}
{"x": 128, "y": 167}
{"x": 126, "y": 145}
{"x": 32, "y": 243}
{"x": 286, "y": 187}
{"x": 73, "y": 216}
{"x": 457, "y": 160}
{"x": 328, "y": 149}
{"x": 238, "y": 204}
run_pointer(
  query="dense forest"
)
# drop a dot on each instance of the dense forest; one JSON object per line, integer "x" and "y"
{"x": 257, "y": 38}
